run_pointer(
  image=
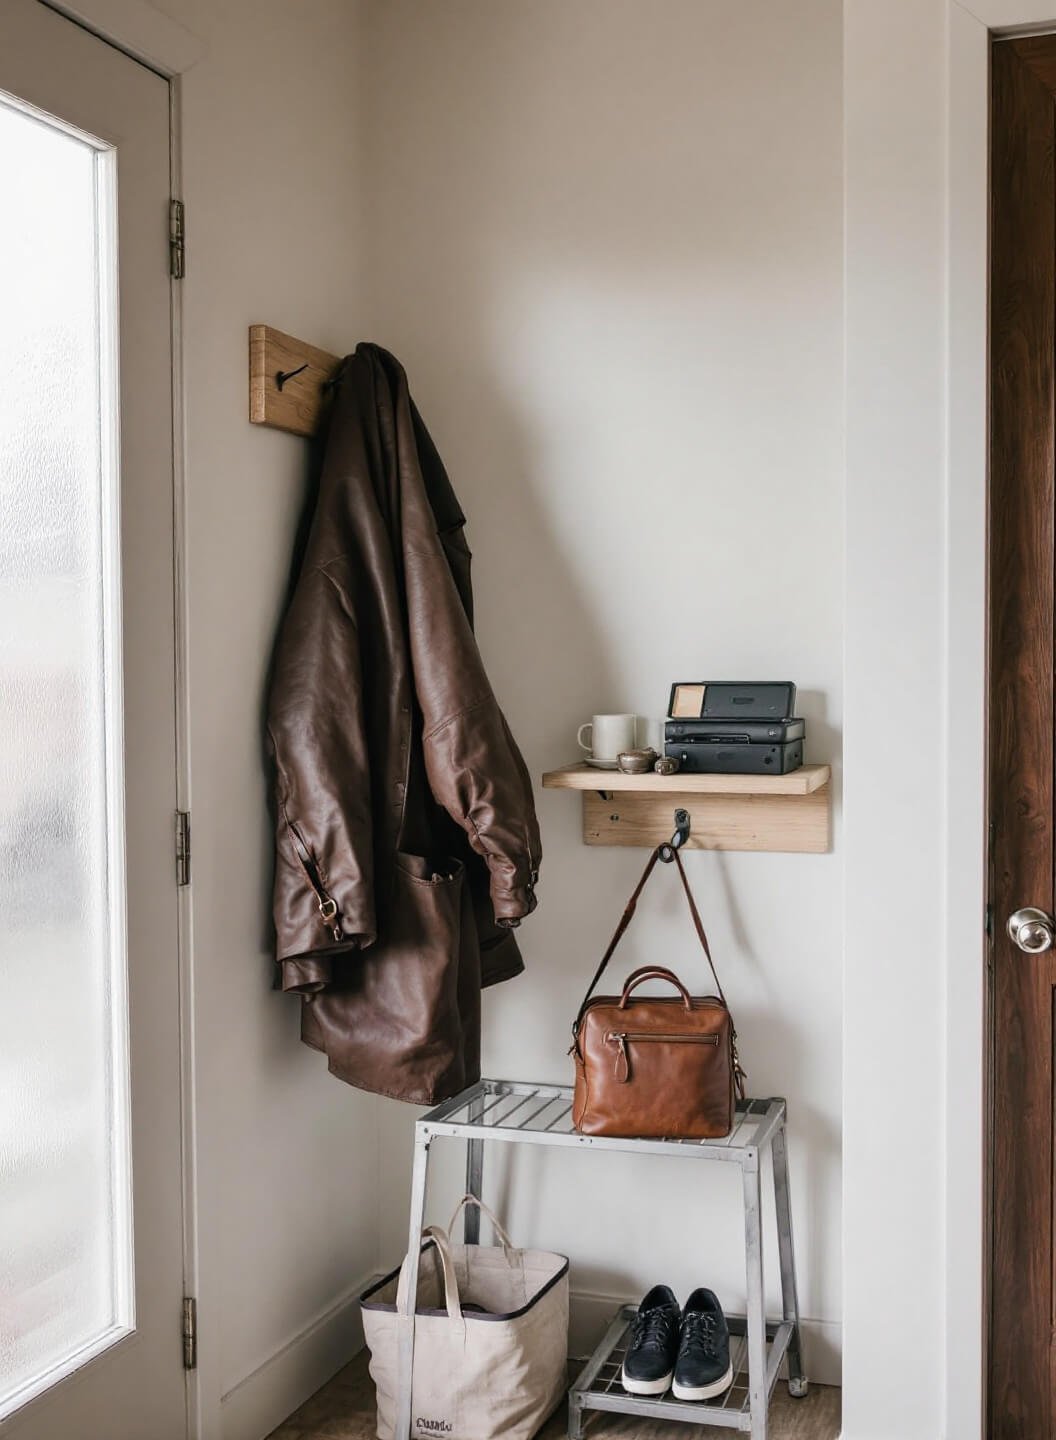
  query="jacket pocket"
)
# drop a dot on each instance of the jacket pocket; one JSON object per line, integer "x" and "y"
{"x": 426, "y": 987}
{"x": 624, "y": 1039}
{"x": 426, "y": 870}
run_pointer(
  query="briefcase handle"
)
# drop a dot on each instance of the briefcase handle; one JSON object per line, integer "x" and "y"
{"x": 625, "y": 920}
{"x": 653, "y": 972}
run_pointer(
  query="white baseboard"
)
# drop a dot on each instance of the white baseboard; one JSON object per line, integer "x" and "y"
{"x": 267, "y": 1395}
{"x": 591, "y": 1314}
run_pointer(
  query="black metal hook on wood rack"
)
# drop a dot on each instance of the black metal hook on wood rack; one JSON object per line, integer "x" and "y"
{"x": 281, "y": 376}
{"x": 678, "y": 839}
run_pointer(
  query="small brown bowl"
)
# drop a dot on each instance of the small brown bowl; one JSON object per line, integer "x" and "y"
{"x": 636, "y": 762}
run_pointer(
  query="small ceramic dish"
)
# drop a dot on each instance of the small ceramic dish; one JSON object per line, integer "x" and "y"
{"x": 636, "y": 762}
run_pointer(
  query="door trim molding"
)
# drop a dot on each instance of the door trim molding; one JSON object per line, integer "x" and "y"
{"x": 1008, "y": 17}
{"x": 139, "y": 30}
{"x": 965, "y": 645}
{"x": 202, "y": 1413}
{"x": 163, "y": 45}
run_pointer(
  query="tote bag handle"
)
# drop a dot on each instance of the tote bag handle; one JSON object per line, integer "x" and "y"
{"x": 497, "y": 1230}
{"x": 404, "y": 1301}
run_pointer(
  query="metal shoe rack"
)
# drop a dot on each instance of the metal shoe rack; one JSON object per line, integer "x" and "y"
{"x": 526, "y": 1114}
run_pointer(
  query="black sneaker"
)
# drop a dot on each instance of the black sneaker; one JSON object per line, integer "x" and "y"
{"x": 650, "y": 1359}
{"x": 702, "y": 1369}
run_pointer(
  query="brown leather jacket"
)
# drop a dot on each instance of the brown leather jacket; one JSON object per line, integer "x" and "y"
{"x": 406, "y": 840}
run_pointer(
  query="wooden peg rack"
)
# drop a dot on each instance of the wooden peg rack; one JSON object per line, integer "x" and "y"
{"x": 286, "y": 380}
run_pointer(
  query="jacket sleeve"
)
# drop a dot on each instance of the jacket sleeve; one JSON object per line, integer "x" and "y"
{"x": 475, "y": 770}
{"x": 324, "y": 880}
{"x": 477, "y": 773}
{"x": 473, "y": 765}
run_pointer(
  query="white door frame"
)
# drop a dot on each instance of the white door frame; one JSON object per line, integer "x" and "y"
{"x": 945, "y": 582}
{"x": 137, "y": 28}
{"x": 965, "y": 841}
{"x": 155, "y": 40}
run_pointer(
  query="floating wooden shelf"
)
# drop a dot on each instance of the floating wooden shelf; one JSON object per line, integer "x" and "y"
{"x": 803, "y": 781}
{"x": 727, "y": 812}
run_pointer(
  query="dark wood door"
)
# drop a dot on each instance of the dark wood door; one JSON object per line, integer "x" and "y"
{"x": 1022, "y": 985}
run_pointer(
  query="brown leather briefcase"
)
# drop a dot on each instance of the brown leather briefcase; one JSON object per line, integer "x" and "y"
{"x": 655, "y": 1066}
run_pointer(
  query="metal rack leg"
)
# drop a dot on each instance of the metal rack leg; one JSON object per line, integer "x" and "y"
{"x": 575, "y": 1419}
{"x": 797, "y": 1377}
{"x": 405, "y": 1355}
{"x": 753, "y": 1253}
{"x": 474, "y": 1177}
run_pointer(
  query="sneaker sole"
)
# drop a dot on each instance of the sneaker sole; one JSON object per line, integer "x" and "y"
{"x": 703, "y": 1392}
{"x": 645, "y": 1387}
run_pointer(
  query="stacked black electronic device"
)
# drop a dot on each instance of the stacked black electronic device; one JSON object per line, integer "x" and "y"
{"x": 723, "y": 728}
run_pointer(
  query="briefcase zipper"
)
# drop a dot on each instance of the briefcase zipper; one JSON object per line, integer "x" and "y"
{"x": 621, "y": 1037}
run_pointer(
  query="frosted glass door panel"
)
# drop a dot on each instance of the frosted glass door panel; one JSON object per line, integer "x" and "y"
{"x": 65, "y": 1228}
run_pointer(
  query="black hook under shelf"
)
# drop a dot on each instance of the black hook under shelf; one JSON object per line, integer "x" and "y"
{"x": 679, "y": 838}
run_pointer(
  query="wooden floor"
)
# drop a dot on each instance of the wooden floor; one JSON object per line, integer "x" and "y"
{"x": 344, "y": 1410}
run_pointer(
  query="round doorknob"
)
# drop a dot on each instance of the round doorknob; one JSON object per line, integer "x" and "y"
{"x": 1031, "y": 929}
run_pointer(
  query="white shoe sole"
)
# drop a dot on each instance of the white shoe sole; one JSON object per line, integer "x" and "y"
{"x": 703, "y": 1392}
{"x": 646, "y": 1387}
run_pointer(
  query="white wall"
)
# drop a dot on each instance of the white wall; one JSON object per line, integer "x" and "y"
{"x": 605, "y": 239}
{"x": 893, "y": 998}
{"x": 288, "y": 1185}
{"x": 916, "y": 236}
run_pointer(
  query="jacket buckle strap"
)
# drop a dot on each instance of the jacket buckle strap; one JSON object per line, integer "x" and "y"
{"x": 326, "y": 903}
{"x": 328, "y": 914}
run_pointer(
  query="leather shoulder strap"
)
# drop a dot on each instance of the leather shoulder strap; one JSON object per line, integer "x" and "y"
{"x": 699, "y": 924}
{"x": 625, "y": 920}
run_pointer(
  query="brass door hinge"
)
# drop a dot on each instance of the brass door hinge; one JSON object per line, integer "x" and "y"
{"x": 183, "y": 847}
{"x": 176, "y": 241}
{"x": 190, "y": 1333}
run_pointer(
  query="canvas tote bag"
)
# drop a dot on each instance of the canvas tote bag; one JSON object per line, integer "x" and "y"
{"x": 490, "y": 1337}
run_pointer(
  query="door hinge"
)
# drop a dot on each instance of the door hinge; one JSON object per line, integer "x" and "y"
{"x": 176, "y": 241}
{"x": 190, "y": 1333}
{"x": 183, "y": 847}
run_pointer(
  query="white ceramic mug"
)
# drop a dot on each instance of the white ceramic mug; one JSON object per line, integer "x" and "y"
{"x": 609, "y": 734}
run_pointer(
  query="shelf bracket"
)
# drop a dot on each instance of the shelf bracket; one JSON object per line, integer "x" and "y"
{"x": 679, "y": 838}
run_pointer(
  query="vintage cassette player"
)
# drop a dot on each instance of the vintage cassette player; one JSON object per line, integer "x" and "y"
{"x": 752, "y": 758}
{"x": 736, "y": 731}
{"x": 725, "y": 728}
{"x": 725, "y": 700}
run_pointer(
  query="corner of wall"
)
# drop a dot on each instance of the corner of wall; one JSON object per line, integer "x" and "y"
{"x": 298, "y": 1367}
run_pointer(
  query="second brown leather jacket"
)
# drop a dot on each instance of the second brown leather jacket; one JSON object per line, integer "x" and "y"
{"x": 407, "y": 846}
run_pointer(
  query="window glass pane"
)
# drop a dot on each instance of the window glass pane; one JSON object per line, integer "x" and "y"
{"x": 65, "y": 1241}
